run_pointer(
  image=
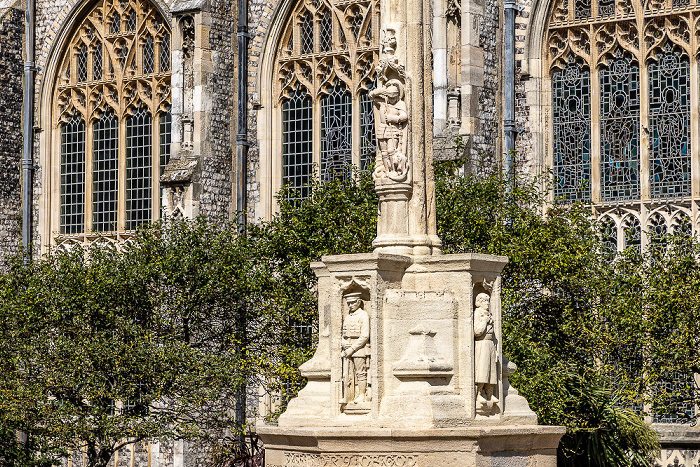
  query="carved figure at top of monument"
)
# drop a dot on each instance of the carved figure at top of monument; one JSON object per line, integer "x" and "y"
{"x": 355, "y": 351}
{"x": 485, "y": 357}
{"x": 391, "y": 126}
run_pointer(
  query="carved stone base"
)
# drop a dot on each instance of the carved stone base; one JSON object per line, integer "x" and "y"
{"x": 512, "y": 446}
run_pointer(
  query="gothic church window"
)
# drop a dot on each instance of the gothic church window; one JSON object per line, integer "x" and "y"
{"x": 324, "y": 72}
{"x": 112, "y": 118}
{"x": 623, "y": 80}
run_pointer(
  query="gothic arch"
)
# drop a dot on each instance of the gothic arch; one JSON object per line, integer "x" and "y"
{"x": 74, "y": 13}
{"x": 319, "y": 73}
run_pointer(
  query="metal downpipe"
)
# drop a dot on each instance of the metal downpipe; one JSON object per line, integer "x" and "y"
{"x": 510, "y": 9}
{"x": 242, "y": 134}
{"x": 28, "y": 133}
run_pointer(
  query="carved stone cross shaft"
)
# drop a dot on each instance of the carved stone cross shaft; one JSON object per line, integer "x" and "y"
{"x": 403, "y": 117}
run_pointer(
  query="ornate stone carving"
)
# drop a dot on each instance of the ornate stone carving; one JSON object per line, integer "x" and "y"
{"x": 391, "y": 124}
{"x": 355, "y": 354}
{"x": 485, "y": 356}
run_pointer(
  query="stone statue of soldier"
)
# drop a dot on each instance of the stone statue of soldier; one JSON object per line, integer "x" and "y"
{"x": 485, "y": 358}
{"x": 355, "y": 350}
{"x": 391, "y": 126}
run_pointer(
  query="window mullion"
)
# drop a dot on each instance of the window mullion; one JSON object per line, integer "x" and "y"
{"x": 595, "y": 125}
{"x": 121, "y": 194}
{"x": 316, "y": 138}
{"x": 155, "y": 166}
{"x": 644, "y": 125}
{"x": 694, "y": 130}
{"x": 89, "y": 134}
{"x": 356, "y": 130}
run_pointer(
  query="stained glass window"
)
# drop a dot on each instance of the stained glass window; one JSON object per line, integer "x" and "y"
{"x": 297, "y": 140}
{"x": 73, "y": 176}
{"x": 583, "y": 9}
{"x": 633, "y": 233}
{"x": 608, "y": 236}
{"x": 606, "y": 7}
{"x": 336, "y": 132}
{"x": 325, "y": 72}
{"x": 105, "y": 172}
{"x": 675, "y": 401}
{"x": 619, "y": 130}
{"x": 138, "y": 168}
{"x": 368, "y": 142}
{"x": 682, "y": 225}
{"x": 669, "y": 124}
{"x": 572, "y": 133}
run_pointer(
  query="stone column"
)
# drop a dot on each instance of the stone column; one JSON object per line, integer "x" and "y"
{"x": 403, "y": 110}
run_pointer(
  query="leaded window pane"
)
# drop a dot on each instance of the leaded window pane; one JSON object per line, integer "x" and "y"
{"x": 619, "y": 130}
{"x": 149, "y": 57}
{"x": 336, "y": 132}
{"x": 131, "y": 21}
{"x": 606, "y": 7}
{"x": 97, "y": 63}
{"x": 583, "y": 9}
{"x": 73, "y": 176}
{"x": 165, "y": 132}
{"x": 675, "y": 401}
{"x": 105, "y": 172}
{"x": 608, "y": 237}
{"x": 116, "y": 26}
{"x": 572, "y": 133}
{"x": 307, "y": 34}
{"x": 297, "y": 134}
{"x": 368, "y": 142}
{"x": 633, "y": 234}
{"x": 682, "y": 225}
{"x": 165, "y": 53}
{"x": 669, "y": 125}
{"x": 82, "y": 63}
{"x": 139, "y": 163}
{"x": 326, "y": 32}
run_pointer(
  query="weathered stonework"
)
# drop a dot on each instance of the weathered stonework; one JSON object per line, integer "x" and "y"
{"x": 11, "y": 60}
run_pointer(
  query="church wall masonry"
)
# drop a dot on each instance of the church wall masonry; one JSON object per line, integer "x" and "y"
{"x": 11, "y": 60}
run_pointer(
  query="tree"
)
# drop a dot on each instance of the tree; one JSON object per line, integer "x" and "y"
{"x": 103, "y": 347}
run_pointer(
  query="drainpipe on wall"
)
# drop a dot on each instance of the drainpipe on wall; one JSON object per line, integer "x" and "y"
{"x": 510, "y": 8}
{"x": 242, "y": 135}
{"x": 241, "y": 176}
{"x": 28, "y": 135}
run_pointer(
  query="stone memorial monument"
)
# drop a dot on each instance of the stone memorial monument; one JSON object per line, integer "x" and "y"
{"x": 409, "y": 369}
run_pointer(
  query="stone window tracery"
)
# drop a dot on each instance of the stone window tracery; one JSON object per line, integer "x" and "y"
{"x": 624, "y": 84}
{"x": 114, "y": 79}
{"x": 323, "y": 74}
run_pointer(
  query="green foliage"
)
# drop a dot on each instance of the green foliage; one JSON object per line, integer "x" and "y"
{"x": 183, "y": 316}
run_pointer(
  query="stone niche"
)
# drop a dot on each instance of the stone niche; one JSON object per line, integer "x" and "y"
{"x": 409, "y": 370}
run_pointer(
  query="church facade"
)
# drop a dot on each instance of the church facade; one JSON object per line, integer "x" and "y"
{"x": 146, "y": 108}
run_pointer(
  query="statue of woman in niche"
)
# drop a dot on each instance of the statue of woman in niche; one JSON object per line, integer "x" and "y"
{"x": 485, "y": 359}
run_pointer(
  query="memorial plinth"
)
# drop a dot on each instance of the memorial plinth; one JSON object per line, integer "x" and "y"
{"x": 420, "y": 403}
{"x": 409, "y": 369}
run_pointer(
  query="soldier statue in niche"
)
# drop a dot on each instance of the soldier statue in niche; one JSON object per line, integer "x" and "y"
{"x": 485, "y": 359}
{"x": 355, "y": 351}
{"x": 391, "y": 126}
